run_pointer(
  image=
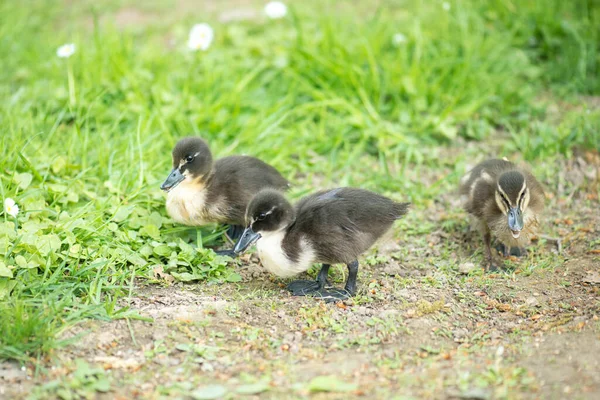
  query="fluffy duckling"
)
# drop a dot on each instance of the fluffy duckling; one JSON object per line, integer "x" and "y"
{"x": 202, "y": 191}
{"x": 328, "y": 227}
{"x": 505, "y": 201}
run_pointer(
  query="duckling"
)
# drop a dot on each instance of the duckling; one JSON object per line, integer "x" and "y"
{"x": 328, "y": 227}
{"x": 200, "y": 191}
{"x": 505, "y": 201}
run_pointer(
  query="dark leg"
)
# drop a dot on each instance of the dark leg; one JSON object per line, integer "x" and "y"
{"x": 304, "y": 287}
{"x": 487, "y": 238}
{"x": 334, "y": 295}
{"x": 234, "y": 232}
{"x": 352, "y": 275}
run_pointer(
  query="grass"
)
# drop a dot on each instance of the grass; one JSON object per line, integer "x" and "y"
{"x": 326, "y": 98}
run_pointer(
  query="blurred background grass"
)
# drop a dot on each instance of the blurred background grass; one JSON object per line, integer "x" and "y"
{"x": 326, "y": 95}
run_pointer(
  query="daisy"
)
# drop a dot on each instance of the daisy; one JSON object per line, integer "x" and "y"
{"x": 201, "y": 36}
{"x": 275, "y": 10}
{"x": 398, "y": 39}
{"x": 66, "y": 50}
{"x": 10, "y": 207}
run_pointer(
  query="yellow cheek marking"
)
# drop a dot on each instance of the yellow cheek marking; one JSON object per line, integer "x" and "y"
{"x": 500, "y": 203}
{"x": 505, "y": 195}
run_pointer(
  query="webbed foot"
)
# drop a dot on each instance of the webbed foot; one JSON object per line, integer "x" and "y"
{"x": 303, "y": 287}
{"x": 333, "y": 295}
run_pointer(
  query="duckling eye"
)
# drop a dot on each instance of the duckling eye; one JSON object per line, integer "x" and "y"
{"x": 261, "y": 216}
{"x": 189, "y": 159}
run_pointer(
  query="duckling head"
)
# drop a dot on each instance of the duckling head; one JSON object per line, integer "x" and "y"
{"x": 192, "y": 160}
{"x": 512, "y": 198}
{"x": 268, "y": 212}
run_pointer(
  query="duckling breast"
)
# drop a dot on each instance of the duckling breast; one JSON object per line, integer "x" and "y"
{"x": 499, "y": 228}
{"x": 275, "y": 259}
{"x": 186, "y": 204}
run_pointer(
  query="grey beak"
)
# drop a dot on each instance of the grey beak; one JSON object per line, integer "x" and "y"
{"x": 515, "y": 219}
{"x": 172, "y": 180}
{"x": 248, "y": 237}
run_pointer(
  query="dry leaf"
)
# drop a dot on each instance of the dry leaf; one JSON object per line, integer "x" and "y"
{"x": 159, "y": 273}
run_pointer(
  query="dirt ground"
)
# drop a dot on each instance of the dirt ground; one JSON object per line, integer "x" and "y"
{"x": 425, "y": 324}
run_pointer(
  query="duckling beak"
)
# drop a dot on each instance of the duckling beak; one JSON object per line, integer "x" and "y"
{"x": 248, "y": 237}
{"x": 515, "y": 221}
{"x": 174, "y": 178}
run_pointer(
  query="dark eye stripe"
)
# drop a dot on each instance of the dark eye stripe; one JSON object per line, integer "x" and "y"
{"x": 505, "y": 200}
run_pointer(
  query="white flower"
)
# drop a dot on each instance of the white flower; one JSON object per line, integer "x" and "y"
{"x": 499, "y": 351}
{"x": 398, "y": 39}
{"x": 275, "y": 9}
{"x": 446, "y": 6}
{"x": 201, "y": 36}
{"x": 10, "y": 207}
{"x": 66, "y": 50}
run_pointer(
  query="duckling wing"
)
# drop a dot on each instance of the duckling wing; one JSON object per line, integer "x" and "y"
{"x": 478, "y": 186}
{"x": 344, "y": 222}
{"x": 237, "y": 179}
{"x": 486, "y": 171}
{"x": 250, "y": 173}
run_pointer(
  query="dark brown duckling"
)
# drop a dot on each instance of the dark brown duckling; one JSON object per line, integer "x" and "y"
{"x": 506, "y": 202}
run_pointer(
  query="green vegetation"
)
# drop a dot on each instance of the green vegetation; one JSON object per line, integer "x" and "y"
{"x": 328, "y": 97}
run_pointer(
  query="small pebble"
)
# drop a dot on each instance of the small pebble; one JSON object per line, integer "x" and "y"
{"x": 466, "y": 268}
{"x": 532, "y": 302}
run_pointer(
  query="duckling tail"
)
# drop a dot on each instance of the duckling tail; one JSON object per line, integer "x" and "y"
{"x": 400, "y": 209}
